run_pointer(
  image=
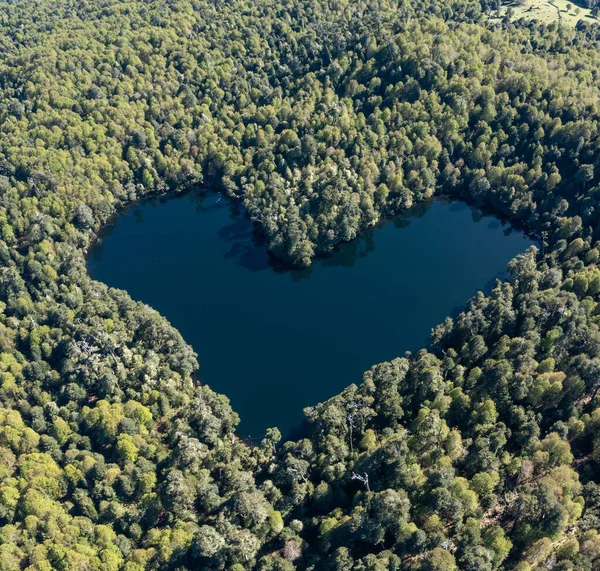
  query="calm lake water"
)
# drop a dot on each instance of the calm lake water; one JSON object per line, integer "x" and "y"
{"x": 276, "y": 341}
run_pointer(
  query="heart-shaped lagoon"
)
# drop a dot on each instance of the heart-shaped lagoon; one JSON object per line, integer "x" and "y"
{"x": 275, "y": 341}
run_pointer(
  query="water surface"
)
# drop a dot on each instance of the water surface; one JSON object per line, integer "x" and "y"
{"x": 276, "y": 341}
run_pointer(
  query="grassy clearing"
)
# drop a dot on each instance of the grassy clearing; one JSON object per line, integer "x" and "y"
{"x": 547, "y": 11}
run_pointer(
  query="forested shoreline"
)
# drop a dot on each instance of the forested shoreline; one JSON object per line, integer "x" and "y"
{"x": 479, "y": 452}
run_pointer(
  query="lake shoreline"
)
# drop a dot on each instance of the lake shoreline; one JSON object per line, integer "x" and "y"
{"x": 297, "y": 334}
{"x": 278, "y": 263}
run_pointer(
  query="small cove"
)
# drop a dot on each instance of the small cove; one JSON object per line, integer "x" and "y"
{"x": 275, "y": 341}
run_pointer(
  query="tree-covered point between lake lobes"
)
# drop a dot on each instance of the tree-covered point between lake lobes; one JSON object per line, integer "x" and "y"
{"x": 321, "y": 118}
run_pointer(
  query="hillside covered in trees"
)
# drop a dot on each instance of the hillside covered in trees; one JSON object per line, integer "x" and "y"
{"x": 481, "y": 452}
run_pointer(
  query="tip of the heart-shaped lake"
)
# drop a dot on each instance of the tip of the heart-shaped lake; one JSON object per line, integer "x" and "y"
{"x": 276, "y": 341}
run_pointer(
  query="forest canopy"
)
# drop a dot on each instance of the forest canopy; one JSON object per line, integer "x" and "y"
{"x": 481, "y": 451}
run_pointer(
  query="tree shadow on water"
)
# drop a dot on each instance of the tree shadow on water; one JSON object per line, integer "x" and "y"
{"x": 245, "y": 246}
{"x": 457, "y": 206}
{"x": 348, "y": 253}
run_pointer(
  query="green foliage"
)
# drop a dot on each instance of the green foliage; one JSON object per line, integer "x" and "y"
{"x": 481, "y": 452}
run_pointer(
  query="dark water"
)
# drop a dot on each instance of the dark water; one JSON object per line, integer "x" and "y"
{"x": 276, "y": 341}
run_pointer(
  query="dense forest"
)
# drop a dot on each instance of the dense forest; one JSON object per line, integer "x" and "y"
{"x": 481, "y": 452}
